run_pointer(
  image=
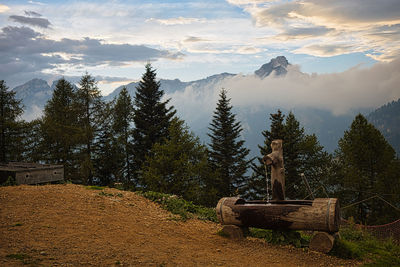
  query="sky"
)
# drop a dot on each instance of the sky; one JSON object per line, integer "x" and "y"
{"x": 191, "y": 40}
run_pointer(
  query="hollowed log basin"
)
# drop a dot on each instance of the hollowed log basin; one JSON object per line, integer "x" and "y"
{"x": 320, "y": 214}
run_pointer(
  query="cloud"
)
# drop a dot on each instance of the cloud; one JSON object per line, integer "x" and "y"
{"x": 39, "y": 22}
{"x": 193, "y": 39}
{"x": 32, "y": 13}
{"x": 304, "y": 32}
{"x": 339, "y": 93}
{"x": 177, "y": 21}
{"x": 326, "y": 50}
{"x": 23, "y": 50}
{"x": 3, "y": 8}
{"x": 350, "y": 24}
{"x": 36, "y": 3}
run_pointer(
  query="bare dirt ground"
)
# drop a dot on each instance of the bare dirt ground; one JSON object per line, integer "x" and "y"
{"x": 70, "y": 225}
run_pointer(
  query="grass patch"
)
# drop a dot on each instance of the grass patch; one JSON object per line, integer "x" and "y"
{"x": 289, "y": 237}
{"x": 358, "y": 244}
{"x": 18, "y": 256}
{"x": 105, "y": 194}
{"x": 94, "y": 187}
{"x": 24, "y": 258}
{"x": 222, "y": 233}
{"x": 178, "y": 206}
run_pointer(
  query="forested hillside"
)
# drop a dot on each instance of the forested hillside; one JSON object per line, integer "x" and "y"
{"x": 387, "y": 120}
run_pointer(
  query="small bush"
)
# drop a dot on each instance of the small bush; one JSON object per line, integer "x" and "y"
{"x": 178, "y": 206}
{"x": 10, "y": 181}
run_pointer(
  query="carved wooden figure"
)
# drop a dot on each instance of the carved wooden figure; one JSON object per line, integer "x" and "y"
{"x": 275, "y": 159}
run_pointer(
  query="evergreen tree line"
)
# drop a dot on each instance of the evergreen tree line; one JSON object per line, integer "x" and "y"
{"x": 142, "y": 144}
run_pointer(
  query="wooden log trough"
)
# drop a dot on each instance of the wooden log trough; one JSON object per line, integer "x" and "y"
{"x": 321, "y": 214}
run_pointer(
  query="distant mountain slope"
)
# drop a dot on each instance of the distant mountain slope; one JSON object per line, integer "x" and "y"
{"x": 277, "y": 65}
{"x": 34, "y": 94}
{"x": 171, "y": 86}
{"x": 387, "y": 120}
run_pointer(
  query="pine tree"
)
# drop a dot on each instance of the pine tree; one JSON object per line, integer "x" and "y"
{"x": 33, "y": 142}
{"x": 122, "y": 127}
{"x": 109, "y": 154}
{"x": 227, "y": 153}
{"x": 90, "y": 107}
{"x": 10, "y": 111}
{"x": 292, "y": 150}
{"x": 152, "y": 119}
{"x": 367, "y": 167}
{"x": 60, "y": 129}
{"x": 179, "y": 165}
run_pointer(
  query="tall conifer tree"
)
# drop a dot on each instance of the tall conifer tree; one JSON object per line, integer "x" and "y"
{"x": 90, "y": 107}
{"x": 122, "y": 127}
{"x": 60, "y": 129}
{"x": 151, "y": 116}
{"x": 227, "y": 151}
{"x": 367, "y": 166}
{"x": 179, "y": 165}
{"x": 108, "y": 153}
{"x": 10, "y": 111}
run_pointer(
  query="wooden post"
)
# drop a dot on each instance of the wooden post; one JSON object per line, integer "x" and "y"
{"x": 275, "y": 159}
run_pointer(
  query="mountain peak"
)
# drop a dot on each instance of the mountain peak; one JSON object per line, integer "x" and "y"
{"x": 278, "y": 65}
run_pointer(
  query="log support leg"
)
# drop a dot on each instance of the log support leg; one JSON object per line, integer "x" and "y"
{"x": 322, "y": 242}
{"x": 234, "y": 232}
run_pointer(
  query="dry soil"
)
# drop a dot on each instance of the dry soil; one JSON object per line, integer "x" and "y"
{"x": 71, "y": 225}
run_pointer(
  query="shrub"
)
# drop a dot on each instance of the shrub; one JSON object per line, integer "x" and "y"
{"x": 177, "y": 205}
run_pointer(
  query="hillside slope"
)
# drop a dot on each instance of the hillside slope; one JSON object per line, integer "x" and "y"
{"x": 70, "y": 225}
{"x": 387, "y": 120}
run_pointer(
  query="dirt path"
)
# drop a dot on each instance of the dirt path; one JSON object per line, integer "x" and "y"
{"x": 70, "y": 225}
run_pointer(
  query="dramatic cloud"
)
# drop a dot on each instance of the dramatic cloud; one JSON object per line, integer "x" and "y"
{"x": 3, "y": 8}
{"x": 23, "y": 50}
{"x": 39, "y": 22}
{"x": 338, "y": 93}
{"x": 350, "y": 24}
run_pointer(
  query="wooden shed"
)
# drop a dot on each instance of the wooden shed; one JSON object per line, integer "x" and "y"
{"x": 30, "y": 173}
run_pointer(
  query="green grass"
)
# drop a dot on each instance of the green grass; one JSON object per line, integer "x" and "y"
{"x": 25, "y": 259}
{"x": 178, "y": 206}
{"x": 358, "y": 244}
{"x": 94, "y": 187}
{"x": 18, "y": 256}
{"x": 289, "y": 237}
{"x": 102, "y": 193}
{"x": 353, "y": 244}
